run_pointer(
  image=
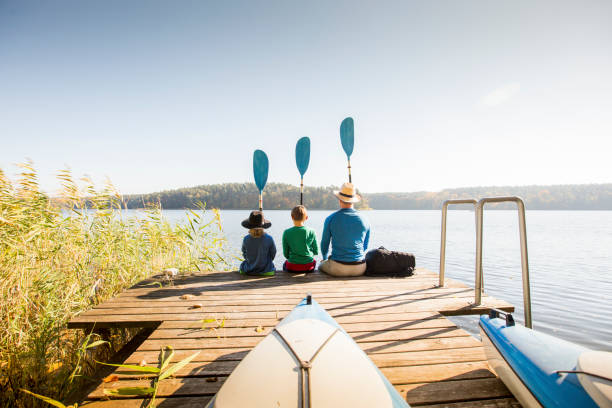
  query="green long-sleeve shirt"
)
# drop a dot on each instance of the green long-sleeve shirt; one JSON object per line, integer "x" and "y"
{"x": 300, "y": 245}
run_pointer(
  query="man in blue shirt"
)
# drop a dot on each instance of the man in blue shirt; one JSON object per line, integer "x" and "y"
{"x": 349, "y": 233}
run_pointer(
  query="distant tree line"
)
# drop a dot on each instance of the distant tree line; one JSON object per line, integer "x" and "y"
{"x": 555, "y": 197}
{"x": 276, "y": 196}
{"x": 285, "y": 196}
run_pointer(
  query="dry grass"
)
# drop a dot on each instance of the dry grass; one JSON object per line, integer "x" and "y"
{"x": 55, "y": 263}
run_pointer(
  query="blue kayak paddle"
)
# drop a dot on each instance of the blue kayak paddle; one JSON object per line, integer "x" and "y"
{"x": 347, "y": 138}
{"x": 260, "y": 172}
{"x": 302, "y": 158}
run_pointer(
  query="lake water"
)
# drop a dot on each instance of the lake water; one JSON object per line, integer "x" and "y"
{"x": 569, "y": 259}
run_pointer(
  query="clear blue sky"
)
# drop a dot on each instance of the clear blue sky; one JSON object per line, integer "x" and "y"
{"x": 164, "y": 94}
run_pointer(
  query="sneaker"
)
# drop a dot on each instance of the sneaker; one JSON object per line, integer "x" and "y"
{"x": 269, "y": 273}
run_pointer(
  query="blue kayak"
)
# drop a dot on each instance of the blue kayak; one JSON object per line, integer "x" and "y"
{"x": 542, "y": 370}
{"x": 308, "y": 360}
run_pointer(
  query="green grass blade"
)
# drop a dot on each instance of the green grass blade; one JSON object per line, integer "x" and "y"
{"x": 141, "y": 369}
{"x": 165, "y": 359}
{"x": 46, "y": 399}
{"x": 97, "y": 343}
{"x": 177, "y": 367}
{"x": 130, "y": 391}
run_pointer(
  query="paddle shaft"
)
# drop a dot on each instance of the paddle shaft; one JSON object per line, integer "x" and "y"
{"x": 349, "y": 169}
{"x": 260, "y": 202}
{"x": 301, "y": 190}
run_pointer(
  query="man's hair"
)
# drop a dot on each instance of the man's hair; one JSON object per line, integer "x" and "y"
{"x": 257, "y": 232}
{"x": 298, "y": 213}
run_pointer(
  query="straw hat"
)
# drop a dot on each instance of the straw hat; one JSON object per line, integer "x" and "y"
{"x": 256, "y": 220}
{"x": 348, "y": 193}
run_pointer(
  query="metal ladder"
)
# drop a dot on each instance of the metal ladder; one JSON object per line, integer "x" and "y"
{"x": 479, "y": 207}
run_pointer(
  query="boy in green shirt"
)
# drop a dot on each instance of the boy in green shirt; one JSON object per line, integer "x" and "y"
{"x": 299, "y": 243}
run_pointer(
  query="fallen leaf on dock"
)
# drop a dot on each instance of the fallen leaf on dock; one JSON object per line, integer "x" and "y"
{"x": 259, "y": 329}
{"x": 185, "y": 297}
{"x": 170, "y": 272}
{"x": 211, "y": 379}
{"x": 111, "y": 378}
{"x": 196, "y": 306}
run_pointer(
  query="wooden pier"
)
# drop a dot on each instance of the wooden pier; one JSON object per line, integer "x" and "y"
{"x": 399, "y": 322}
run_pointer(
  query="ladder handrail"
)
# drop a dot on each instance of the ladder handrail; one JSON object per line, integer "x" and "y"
{"x": 479, "y": 209}
{"x": 524, "y": 258}
{"x": 443, "y": 233}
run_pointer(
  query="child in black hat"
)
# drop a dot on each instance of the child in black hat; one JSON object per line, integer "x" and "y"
{"x": 258, "y": 248}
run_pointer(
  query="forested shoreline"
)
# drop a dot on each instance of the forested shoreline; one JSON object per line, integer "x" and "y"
{"x": 278, "y": 196}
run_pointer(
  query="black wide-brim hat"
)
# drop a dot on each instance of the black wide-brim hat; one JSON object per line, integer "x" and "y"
{"x": 256, "y": 220}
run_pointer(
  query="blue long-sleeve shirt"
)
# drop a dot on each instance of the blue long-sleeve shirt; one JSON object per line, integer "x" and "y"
{"x": 349, "y": 233}
{"x": 258, "y": 254}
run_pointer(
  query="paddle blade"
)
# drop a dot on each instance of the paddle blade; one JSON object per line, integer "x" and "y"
{"x": 260, "y": 169}
{"x": 302, "y": 155}
{"x": 347, "y": 136}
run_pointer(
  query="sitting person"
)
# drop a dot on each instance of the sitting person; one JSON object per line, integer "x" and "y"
{"x": 349, "y": 233}
{"x": 299, "y": 243}
{"x": 258, "y": 248}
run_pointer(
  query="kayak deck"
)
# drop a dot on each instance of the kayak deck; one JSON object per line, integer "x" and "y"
{"x": 398, "y": 322}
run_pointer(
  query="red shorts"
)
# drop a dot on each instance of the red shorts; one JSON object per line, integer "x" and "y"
{"x": 291, "y": 267}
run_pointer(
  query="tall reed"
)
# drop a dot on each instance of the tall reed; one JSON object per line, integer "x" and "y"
{"x": 64, "y": 255}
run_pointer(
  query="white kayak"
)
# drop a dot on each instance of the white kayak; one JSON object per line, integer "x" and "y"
{"x": 308, "y": 360}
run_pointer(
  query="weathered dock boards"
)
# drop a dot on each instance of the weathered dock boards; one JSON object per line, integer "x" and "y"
{"x": 400, "y": 323}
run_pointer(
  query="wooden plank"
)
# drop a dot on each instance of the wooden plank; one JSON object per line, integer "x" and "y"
{"x": 395, "y": 374}
{"x": 199, "y": 402}
{"x": 283, "y": 279}
{"x": 418, "y": 393}
{"x": 437, "y": 372}
{"x": 327, "y": 303}
{"x": 231, "y": 351}
{"x": 404, "y": 320}
{"x": 173, "y": 402}
{"x": 488, "y": 403}
{"x": 177, "y": 387}
{"x": 222, "y": 354}
{"x": 453, "y": 391}
{"x": 281, "y": 276}
{"x": 201, "y": 369}
{"x": 251, "y": 326}
{"x": 216, "y": 339}
{"x": 276, "y": 295}
{"x": 275, "y": 284}
{"x": 450, "y": 304}
{"x": 419, "y": 345}
{"x": 286, "y": 300}
{"x": 85, "y": 321}
{"x": 424, "y": 351}
{"x": 291, "y": 288}
{"x": 428, "y": 357}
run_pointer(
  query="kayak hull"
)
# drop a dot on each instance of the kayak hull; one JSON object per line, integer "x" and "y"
{"x": 504, "y": 371}
{"x": 534, "y": 365}
{"x": 308, "y": 360}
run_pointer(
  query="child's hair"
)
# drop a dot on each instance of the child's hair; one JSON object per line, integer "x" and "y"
{"x": 298, "y": 213}
{"x": 256, "y": 232}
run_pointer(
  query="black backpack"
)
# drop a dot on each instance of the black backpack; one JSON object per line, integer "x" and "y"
{"x": 382, "y": 262}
